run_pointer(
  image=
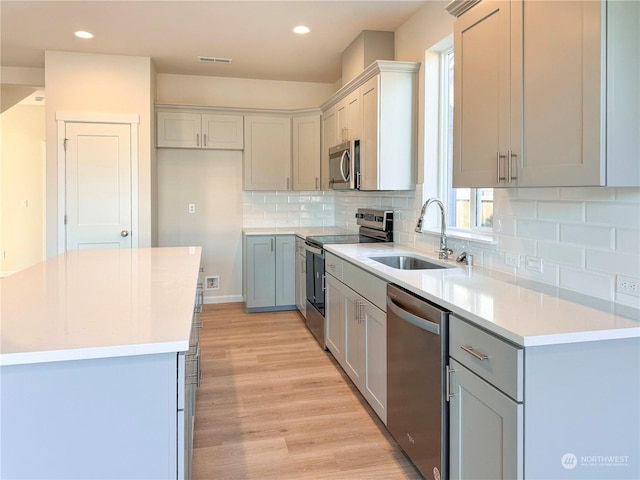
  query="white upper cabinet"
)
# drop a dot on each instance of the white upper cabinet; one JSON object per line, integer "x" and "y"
{"x": 267, "y": 153}
{"x": 306, "y": 152}
{"x": 543, "y": 91}
{"x": 176, "y": 129}
{"x": 378, "y": 109}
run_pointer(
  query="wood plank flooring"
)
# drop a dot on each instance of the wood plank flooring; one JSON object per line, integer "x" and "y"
{"x": 273, "y": 405}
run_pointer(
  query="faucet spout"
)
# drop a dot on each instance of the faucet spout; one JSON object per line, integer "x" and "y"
{"x": 444, "y": 252}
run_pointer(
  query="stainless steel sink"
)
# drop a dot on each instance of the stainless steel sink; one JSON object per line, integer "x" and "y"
{"x": 407, "y": 262}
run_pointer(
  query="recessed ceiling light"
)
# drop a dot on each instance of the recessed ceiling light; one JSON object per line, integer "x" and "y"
{"x": 301, "y": 29}
{"x": 83, "y": 34}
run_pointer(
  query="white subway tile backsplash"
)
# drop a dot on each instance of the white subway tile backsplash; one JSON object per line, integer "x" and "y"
{"x": 537, "y": 230}
{"x": 587, "y": 235}
{"x": 561, "y": 211}
{"x": 622, "y": 214}
{"x": 590, "y": 194}
{"x": 572, "y": 256}
{"x": 523, "y": 246}
{"x": 613, "y": 263}
{"x": 583, "y": 235}
{"x": 595, "y": 284}
{"x": 538, "y": 193}
{"x": 627, "y": 241}
{"x": 627, "y": 194}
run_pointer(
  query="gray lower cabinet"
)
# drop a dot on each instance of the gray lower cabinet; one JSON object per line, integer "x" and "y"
{"x": 270, "y": 271}
{"x": 485, "y": 429}
{"x": 561, "y": 411}
{"x": 301, "y": 277}
{"x": 356, "y": 332}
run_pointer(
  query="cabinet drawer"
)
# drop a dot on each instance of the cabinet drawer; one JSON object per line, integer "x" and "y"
{"x": 369, "y": 286}
{"x": 493, "y": 359}
{"x": 333, "y": 265}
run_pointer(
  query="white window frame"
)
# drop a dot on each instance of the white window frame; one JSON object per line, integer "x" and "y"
{"x": 445, "y": 159}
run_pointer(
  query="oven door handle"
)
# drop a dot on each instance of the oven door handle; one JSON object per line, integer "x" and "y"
{"x": 314, "y": 250}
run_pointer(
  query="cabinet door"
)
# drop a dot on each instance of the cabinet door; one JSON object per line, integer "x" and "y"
{"x": 261, "y": 271}
{"x": 559, "y": 74}
{"x": 369, "y": 135}
{"x": 481, "y": 131}
{"x": 486, "y": 429}
{"x": 354, "y": 349}
{"x": 267, "y": 153}
{"x": 341, "y": 121}
{"x": 354, "y": 115}
{"x": 178, "y": 130}
{"x": 376, "y": 359}
{"x": 306, "y": 153}
{"x": 335, "y": 313}
{"x": 301, "y": 285}
{"x": 223, "y": 132}
{"x": 285, "y": 274}
{"x": 329, "y": 139}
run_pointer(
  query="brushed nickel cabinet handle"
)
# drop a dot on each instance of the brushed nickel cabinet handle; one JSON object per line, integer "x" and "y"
{"x": 510, "y": 173}
{"x": 469, "y": 349}
{"x": 498, "y": 177}
{"x": 204, "y": 139}
{"x": 316, "y": 183}
{"x": 450, "y": 394}
{"x": 197, "y": 139}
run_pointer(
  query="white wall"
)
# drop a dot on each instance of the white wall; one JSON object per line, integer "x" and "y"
{"x": 78, "y": 82}
{"x": 22, "y": 187}
{"x": 212, "y": 180}
{"x": 240, "y": 92}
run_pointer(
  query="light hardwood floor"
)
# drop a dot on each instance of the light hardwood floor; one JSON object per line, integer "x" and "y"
{"x": 273, "y": 405}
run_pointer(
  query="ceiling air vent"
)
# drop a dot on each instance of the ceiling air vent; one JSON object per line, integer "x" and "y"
{"x": 214, "y": 59}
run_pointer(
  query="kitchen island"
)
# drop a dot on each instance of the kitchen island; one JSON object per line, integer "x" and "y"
{"x": 92, "y": 364}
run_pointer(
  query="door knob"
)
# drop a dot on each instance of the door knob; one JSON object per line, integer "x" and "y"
{"x": 124, "y": 233}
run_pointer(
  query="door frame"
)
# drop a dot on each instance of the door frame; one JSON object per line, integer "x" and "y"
{"x": 62, "y": 118}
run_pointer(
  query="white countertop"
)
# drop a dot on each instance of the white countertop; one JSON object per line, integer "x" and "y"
{"x": 99, "y": 303}
{"x": 302, "y": 232}
{"x": 524, "y": 312}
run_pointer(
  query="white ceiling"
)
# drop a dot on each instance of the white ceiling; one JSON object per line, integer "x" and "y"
{"x": 257, "y": 35}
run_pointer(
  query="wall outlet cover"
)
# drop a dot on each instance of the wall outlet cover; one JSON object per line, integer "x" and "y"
{"x": 628, "y": 285}
{"x": 212, "y": 283}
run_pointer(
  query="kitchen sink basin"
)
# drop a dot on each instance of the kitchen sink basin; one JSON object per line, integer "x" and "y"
{"x": 407, "y": 262}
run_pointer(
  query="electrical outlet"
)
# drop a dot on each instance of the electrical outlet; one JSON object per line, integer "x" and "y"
{"x": 533, "y": 264}
{"x": 192, "y": 208}
{"x": 628, "y": 285}
{"x": 512, "y": 260}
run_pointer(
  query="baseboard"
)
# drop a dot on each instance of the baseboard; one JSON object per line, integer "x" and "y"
{"x": 223, "y": 299}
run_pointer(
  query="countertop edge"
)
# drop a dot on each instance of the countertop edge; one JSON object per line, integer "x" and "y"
{"x": 28, "y": 358}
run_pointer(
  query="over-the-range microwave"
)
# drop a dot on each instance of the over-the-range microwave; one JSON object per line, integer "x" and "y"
{"x": 344, "y": 166}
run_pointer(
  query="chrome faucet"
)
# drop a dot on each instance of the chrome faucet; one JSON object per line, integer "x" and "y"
{"x": 444, "y": 251}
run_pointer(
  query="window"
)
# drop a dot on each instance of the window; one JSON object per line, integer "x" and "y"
{"x": 467, "y": 208}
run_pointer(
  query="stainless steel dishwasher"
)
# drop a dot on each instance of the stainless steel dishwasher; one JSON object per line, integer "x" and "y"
{"x": 417, "y": 410}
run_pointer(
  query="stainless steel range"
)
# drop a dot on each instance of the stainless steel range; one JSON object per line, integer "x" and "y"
{"x": 376, "y": 225}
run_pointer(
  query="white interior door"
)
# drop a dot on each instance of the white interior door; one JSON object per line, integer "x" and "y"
{"x": 98, "y": 186}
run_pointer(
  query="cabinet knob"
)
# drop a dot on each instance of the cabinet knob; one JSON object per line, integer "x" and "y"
{"x": 124, "y": 233}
